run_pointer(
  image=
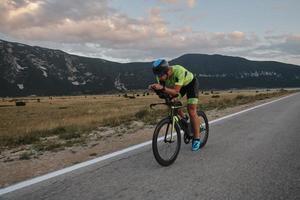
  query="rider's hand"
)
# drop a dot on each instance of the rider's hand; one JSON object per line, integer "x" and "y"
{"x": 150, "y": 87}
{"x": 156, "y": 86}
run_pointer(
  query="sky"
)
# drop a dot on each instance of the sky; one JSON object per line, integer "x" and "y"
{"x": 143, "y": 30}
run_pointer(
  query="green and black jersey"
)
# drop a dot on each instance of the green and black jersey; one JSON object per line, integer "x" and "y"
{"x": 185, "y": 79}
{"x": 180, "y": 76}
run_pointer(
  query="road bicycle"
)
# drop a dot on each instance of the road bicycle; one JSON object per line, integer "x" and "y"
{"x": 166, "y": 139}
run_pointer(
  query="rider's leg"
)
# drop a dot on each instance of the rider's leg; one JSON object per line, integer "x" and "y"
{"x": 195, "y": 120}
{"x": 192, "y": 96}
{"x": 181, "y": 94}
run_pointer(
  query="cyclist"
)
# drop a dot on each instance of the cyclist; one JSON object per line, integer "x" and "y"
{"x": 176, "y": 80}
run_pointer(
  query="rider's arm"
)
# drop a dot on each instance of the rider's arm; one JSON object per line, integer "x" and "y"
{"x": 172, "y": 91}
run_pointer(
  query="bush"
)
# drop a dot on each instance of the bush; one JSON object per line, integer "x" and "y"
{"x": 116, "y": 121}
{"x": 239, "y": 97}
{"x": 69, "y": 135}
{"x": 150, "y": 116}
{"x": 24, "y": 156}
{"x": 52, "y": 146}
{"x": 62, "y": 107}
{"x": 215, "y": 96}
{"x": 142, "y": 113}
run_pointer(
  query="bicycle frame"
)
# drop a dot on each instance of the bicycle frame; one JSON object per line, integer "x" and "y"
{"x": 173, "y": 114}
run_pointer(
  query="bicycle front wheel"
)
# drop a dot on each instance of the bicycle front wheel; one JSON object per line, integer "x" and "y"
{"x": 166, "y": 142}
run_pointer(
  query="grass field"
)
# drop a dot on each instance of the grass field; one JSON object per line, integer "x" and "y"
{"x": 71, "y": 117}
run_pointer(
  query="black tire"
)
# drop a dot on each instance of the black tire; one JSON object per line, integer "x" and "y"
{"x": 204, "y": 134}
{"x": 159, "y": 145}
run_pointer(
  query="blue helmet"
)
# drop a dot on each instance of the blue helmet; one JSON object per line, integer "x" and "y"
{"x": 160, "y": 66}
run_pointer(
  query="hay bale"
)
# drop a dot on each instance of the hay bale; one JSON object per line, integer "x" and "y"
{"x": 20, "y": 103}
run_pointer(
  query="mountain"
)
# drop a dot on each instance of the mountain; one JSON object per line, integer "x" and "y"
{"x": 31, "y": 70}
{"x": 222, "y": 72}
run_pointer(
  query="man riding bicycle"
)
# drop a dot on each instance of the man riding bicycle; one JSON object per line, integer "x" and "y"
{"x": 177, "y": 81}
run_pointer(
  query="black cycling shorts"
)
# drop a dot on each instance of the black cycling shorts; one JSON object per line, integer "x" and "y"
{"x": 191, "y": 90}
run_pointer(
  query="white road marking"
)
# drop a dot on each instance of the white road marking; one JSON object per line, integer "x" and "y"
{"x": 249, "y": 109}
{"x": 108, "y": 156}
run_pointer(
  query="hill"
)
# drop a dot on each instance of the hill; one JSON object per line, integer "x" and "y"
{"x": 31, "y": 70}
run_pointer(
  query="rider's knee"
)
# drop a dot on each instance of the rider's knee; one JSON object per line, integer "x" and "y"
{"x": 192, "y": 112}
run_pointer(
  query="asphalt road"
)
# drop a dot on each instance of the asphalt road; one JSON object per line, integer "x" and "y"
{"x": 254, "y": 155}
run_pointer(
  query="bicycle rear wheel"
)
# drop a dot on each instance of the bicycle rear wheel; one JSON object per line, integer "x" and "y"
{"x": 204, "y": 128}
{"x": 166, "y": 144}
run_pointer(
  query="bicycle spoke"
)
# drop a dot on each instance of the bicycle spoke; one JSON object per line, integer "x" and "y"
{"x": 167, "y": 142}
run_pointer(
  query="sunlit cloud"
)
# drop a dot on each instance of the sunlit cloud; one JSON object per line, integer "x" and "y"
{"x": 189, "y": 3}
{"x": 29, "y": 8}
{"x": 94, "y": 28}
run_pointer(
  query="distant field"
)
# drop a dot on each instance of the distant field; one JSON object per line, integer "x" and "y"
{"x": 71, "y": 116}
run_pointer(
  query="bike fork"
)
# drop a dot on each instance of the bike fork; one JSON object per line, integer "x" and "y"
{"x": 170, "y": 140}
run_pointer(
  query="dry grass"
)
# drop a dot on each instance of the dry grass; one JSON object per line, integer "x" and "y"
{"x": 64, "y": 115}
{"x": 70, "y": 117}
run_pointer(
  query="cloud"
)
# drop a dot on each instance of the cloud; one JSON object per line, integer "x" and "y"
{"x": 114, "y": 34}
{"x": 84, "y": 22}
{"x": 189, "y": 3}
{"x": 169, "y": 1}
{"x": 282, "y": 48}
{"x": 285, "y": 44}
{"x": 93, "y": 28}
{"x": 18, "y": 14}
{"x": 291, "y": 45}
